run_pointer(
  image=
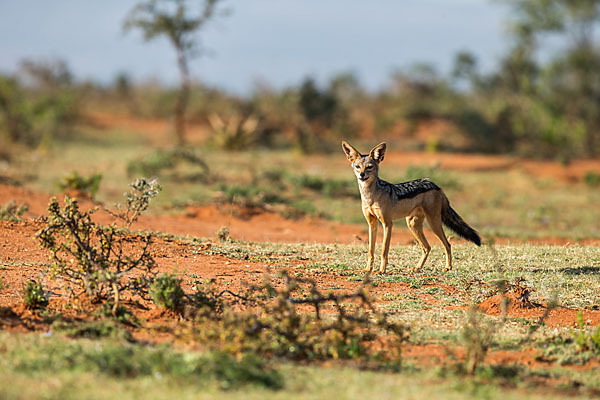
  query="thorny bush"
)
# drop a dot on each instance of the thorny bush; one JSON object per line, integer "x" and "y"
{"x": 95, "y": 259}
{"x": 297, "y": 321}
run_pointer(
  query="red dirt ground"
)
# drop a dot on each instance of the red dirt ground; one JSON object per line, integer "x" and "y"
{"x": 252, "y": 225}
{"x": 21, "y": 257}
{"x": 558, "y": 316}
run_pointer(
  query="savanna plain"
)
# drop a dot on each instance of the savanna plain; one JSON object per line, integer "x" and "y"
{"x": 241, "y": 275}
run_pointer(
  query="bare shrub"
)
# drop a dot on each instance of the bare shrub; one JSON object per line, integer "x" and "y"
{"x": 298, "y": 321}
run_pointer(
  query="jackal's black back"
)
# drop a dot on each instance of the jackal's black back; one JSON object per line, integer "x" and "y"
{"x": 450, "y": 218}
{"x": 410, "y": 189}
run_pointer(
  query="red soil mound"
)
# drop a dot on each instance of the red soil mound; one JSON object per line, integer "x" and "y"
{"x": 516, "y": 307}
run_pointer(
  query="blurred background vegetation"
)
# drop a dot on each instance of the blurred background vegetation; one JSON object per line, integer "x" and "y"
{"x": 57, "y": 130}
{"x": 546, "y": 109}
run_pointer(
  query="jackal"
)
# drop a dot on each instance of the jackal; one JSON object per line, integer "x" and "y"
{"x": 416, "y": 200}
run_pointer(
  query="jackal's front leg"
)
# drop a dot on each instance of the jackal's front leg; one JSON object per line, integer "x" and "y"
{"x": 387, "y": 236}
{"x": 372, "y": 221}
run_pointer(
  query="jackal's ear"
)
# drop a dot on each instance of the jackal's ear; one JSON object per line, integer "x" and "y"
{"x": 350, "y": 151}
{"x": 378, "y": 152}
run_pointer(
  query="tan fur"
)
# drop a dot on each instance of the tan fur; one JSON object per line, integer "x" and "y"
{"x": 379, "y": 205}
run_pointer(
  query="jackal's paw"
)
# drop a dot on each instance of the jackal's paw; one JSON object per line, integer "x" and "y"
{"x": 414, "y": 269}
{"x": 368, "y": 270}
{"x": 446, "y": 269}
{"x": 381, "y": 271}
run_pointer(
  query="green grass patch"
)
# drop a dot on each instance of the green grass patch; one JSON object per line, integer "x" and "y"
{"x": 35, "y": 367}
{"x": 40, "y": 356}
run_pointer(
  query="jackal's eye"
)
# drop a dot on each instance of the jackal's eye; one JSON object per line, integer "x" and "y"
{"x": 357, "y": 166}
{"x": 369, "y": 167}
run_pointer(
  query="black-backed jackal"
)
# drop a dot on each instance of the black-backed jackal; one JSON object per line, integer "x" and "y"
{"x": 414, "y": 200}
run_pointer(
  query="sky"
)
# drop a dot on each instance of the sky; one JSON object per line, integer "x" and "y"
{"x": 274, "y": 42}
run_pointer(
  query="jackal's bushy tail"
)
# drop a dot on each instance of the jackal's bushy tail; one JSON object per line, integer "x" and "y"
{"x": 453, "y": 221}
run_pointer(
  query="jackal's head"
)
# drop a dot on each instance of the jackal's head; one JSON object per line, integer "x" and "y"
{"x": 365, "y": 168}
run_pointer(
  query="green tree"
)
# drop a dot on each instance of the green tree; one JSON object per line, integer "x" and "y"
{"x": 465, "y": 67}
{"x": 12, "y": 115}
{"x": 570, "y": 82}
{"x": 320, "y": 110}
{"x": 38, "y": 104}
{"x": 180, "y": 23}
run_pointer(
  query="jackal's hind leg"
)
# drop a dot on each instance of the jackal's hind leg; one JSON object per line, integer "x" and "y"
{"x": 415, "y": 224}
{"x": 435, "y": 222}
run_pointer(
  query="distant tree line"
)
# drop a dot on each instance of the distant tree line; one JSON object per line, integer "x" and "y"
{"x": 525, "y": 106}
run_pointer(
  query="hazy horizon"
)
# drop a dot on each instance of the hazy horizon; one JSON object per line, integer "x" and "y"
{"x": 278, "y": 42}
